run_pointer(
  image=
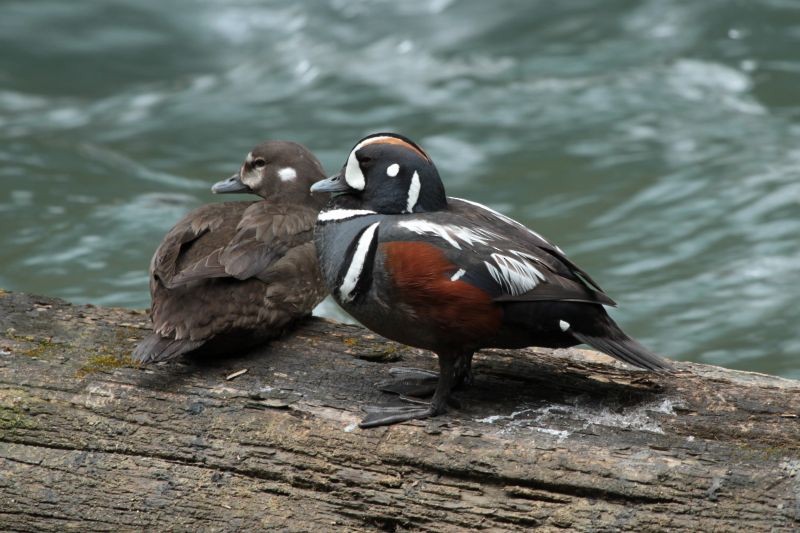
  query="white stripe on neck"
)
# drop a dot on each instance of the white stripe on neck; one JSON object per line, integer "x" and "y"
{"x": 357, "y": 264}
{"x": 343, "y": 214}
{"x": 413, "y": 192}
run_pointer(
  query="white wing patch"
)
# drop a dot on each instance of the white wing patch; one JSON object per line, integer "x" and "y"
{"x": 516, "y": 275}
{"x": 450, "y": 233}
{"x": 357, "y": 264}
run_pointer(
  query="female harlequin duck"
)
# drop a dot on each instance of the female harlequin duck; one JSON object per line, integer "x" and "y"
{"x": 450, "y": 275}
{"x": 233, "y": 274}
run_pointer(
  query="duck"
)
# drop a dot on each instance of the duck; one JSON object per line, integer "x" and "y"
{"x": 449, "y": 275}
{"x": 231, "y": 275}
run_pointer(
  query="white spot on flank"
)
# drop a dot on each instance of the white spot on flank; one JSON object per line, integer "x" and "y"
{"x": 563, "y": 324}
{"x": 448, "y": 232}
{"x": 515, "y": 274}
{"x": 457, "y": 275}
{"x": 287, "y": 174}
{"x": 413, "y": 193}
{"x": 357, "y": 264}
{"x": 343, "y": 214}
{"x": 392, "y": 170}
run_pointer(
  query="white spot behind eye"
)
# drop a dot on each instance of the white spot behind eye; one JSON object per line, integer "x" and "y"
{"x": 563, "y": 324}
{"x": 287, "y": 174}
{"x": 392, "y": 170}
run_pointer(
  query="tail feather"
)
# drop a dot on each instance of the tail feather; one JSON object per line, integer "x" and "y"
{"x": 617, "y": 344}
{"x": 155, "y": 348}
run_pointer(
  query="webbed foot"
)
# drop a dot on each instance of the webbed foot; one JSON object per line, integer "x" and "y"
{"x": 386, "y": 416}
{"x": 410, "y": 382}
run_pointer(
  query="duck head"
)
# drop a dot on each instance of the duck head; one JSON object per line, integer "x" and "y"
{"x": 389, "y": 174}
{"x": 274, "y": 170}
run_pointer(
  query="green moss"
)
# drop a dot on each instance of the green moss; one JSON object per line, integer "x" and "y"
{"x": 40, "y": 347}
{"x": 383, "y": 354}
{"x": 103, "y": 362}
{"x": 350, "y": 341}
{"x": 14, "y": 418}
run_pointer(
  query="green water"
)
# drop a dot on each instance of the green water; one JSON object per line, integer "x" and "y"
{"x": 658, "y": 142}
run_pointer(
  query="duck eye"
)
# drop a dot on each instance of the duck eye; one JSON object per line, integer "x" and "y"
{"x": 259, "y": 163}
{"x": 365, "y": 160}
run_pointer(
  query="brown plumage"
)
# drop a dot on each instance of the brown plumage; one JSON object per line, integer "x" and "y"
{"x": 230, "y": 275}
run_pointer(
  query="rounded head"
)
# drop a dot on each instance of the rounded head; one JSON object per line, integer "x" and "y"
{"x": 274, "y": 169}
{"x": 390, "y": 174}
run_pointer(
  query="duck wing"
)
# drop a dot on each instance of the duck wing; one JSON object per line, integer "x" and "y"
{"x": 264, "y": 234}
{"x": 502, "y": 257}
{"x": 194, "y": 239}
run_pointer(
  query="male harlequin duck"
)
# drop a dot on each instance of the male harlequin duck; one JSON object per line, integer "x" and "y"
{"x": 233, "y": 274}
{"x": 450, "y": 275}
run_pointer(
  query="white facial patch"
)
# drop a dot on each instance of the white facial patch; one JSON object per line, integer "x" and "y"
{"x": 352, "y": 171}
{"x": 249, "y": 157}
{"x": 343, "y": 214}
{"x": 450, "y": 233}
{"x": 392, "y": 170}
{"x": 515, "y": 274}
{"x": 287, "y": 174}
{"x": 413, "y": 193}
{"x": 252, "y": 179}
{"x": 357, "y": 264}
{"x": 563, "y": 324}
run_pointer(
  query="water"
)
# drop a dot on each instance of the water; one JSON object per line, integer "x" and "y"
{"x": 658, "y": 142}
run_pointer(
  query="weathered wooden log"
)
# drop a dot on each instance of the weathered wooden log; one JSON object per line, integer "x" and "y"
{"x": 565, "y": 439}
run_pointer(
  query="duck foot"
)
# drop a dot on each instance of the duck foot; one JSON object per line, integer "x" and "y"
{"x": 386, "y": 416}
{"x": 410, "y": 382}
{"x": 421, "y": 383}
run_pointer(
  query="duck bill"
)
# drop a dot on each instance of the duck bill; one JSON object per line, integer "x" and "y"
{"x": 230, "y": 185}
{"x": 335, "y": 184}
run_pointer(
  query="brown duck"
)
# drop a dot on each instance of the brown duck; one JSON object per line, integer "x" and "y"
{"x": 231, "y": 275}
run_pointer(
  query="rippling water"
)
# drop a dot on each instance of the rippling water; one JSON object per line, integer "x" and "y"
{"x": 658, "y": 142}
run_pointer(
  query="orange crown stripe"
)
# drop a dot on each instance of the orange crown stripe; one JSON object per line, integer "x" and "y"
{"x": 398, "y": 142}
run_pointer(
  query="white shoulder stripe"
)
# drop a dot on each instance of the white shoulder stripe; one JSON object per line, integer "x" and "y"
{"x": 343, "y": 214}
{"x": 507, "y": 220}
{"x": 449, "y": 232}
{"x": 357, "y": 264}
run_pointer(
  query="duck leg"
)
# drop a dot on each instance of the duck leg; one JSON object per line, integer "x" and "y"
{"x": 385, "y": 416}
{"x": 418, "y": 383}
